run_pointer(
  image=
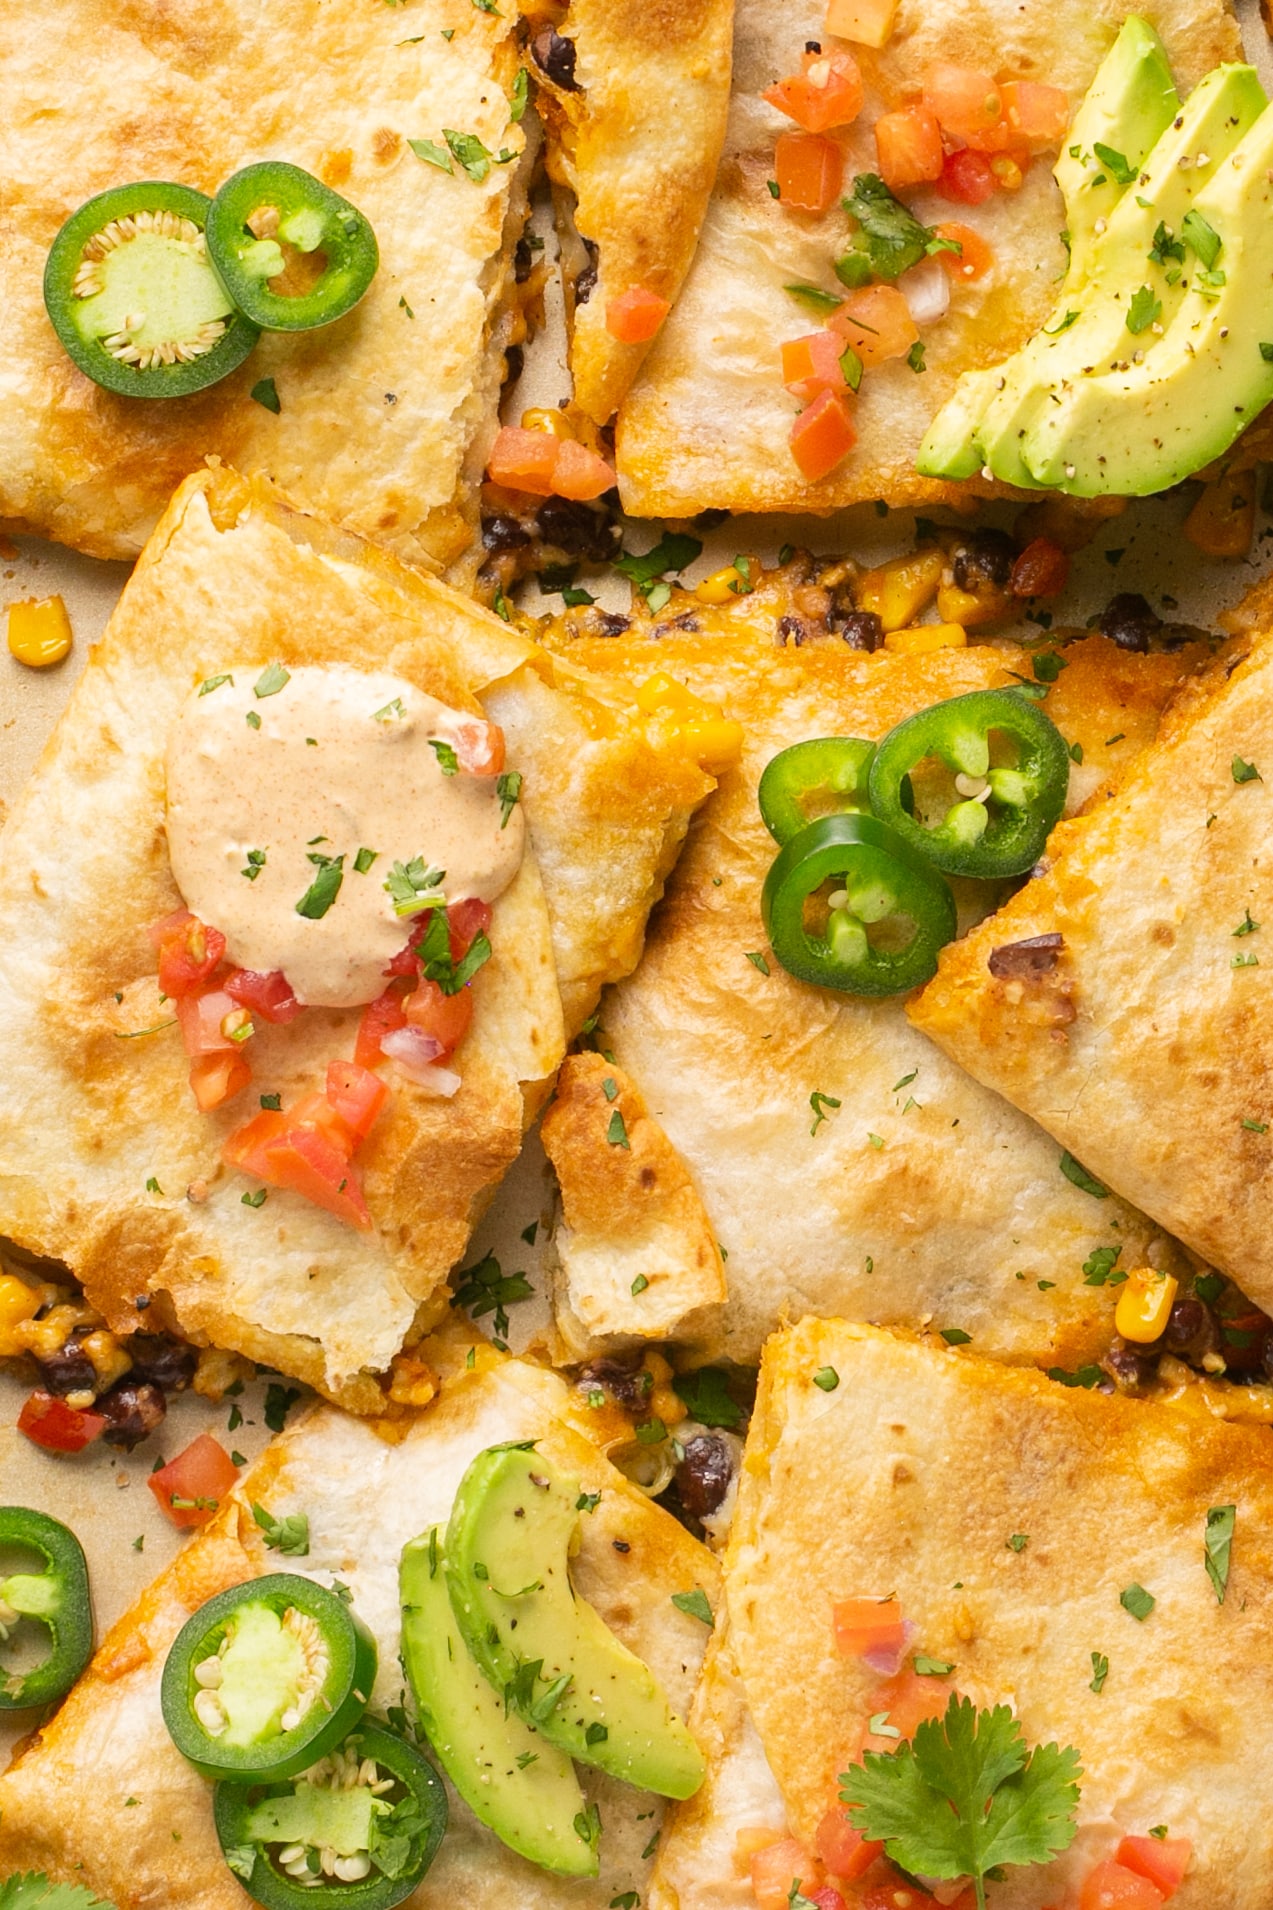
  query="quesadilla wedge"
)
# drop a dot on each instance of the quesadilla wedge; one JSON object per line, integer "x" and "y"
{"x": 635, "y": 101}
{"x": 1160, "y": 1082}
{"x": 708, "y": 422}
{"x": 844, "y": 1164}
{"x": 101, "y": 1797}
{"x": 380, "y": 422}
{"x": 239, "y": 608}
{"x": 1100, "y": 1567}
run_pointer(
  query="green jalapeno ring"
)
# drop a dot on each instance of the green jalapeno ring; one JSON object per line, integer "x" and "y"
{"x": 129, "y": 275}
{"x": 250, "y": 1817}
{"x": 999, "y": 829}
{"x": 57, "y": 1598}
{"x": 834, "y": 765}
{"x": 882, "y": 877}
{"x": 312, "y": 218}
{"x": 283, "y": 1644}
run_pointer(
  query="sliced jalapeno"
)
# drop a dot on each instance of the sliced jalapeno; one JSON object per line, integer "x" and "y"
{"x": 886, "y": 919}
{"x": 356, "y": 1831}
{"x": 1002, "y": 760}
{"x": 272, "y": 202}
{"x": 56, "y": 1598}
{"x": 825, "y": 775}
{"x": 133, "y": 297}
{"x": 266, "y": 1678}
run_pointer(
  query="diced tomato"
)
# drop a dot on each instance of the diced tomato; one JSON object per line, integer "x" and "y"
{"x": 1041, "y": 570}
{"x": 877, "y": 322}
{"x": 777, "y": 1867}
{"x": 524, "y": 460}
{"x": 1111, "y": 1886}
{"x": 245, "y": 1148}
{"x": 205, "y": 1017}
{"x": 868, "y": 1624}
{"x": 467, "y": 920}
{"x": 811, "y": 365}
{"x": 909, "y": 149}
{"x": 217, "y": 1078}
{"x": 826, "y": 92}
{"x": 974, "y": 257}
{"x": 968, "y": 104}
{"x": 869, "y": 22}
{"x": 51, "y": 1423}
{"x": 316, "y": 1111}
{"x": 825, "y": 1898}
{"x": 822, "y": 436}
{"x": 380, "y": 1017}
{"x": 635, "y": 315}
{"x": 303, "y": 1160}
{"x": 189, "y": 952}
{"x": 897, "y": 1893}
{"x": 445, "y": 1017}
{"x": 966, "y": 177}
{"x": 844, "y": 1850}
{"x": 269, "y": 996}
{"x": 479, "y": 745}
{"x": 810, "y": 171}
{"x": 1164, "y": 1860}
{"x": 903, "y": 1704}
{"x": 191, "y": 1487}
{"x": 580, "y": 473}
{"x": 357, "y": 1095}
{"x": 1039, "y": 115}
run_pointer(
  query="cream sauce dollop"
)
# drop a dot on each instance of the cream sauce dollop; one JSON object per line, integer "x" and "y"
{"x": 271, "y": 769}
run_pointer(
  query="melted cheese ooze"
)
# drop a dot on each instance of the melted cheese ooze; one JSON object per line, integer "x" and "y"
{"x": 344, "y": 756}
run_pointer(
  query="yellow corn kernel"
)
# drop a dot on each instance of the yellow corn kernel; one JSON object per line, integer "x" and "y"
{"x": 547, "y": 418}
{"x": 715, "y": 742}
{"x": 412, "y": 1381}
{"x": 1222, "y": 522}
{"x": 701, "y": 728}
{"x": 18, "y": 1304}
{"x": 48, "y": 1336}
{"x": 1144, "y": 1304}
{"x": 925, "y": 637}
{"x": 664, "y": 1402}
{"x": 970, "y": 609}
{"x": 1007, "y": 172}
{"x": 722, "y": 586}
{"x": 898, "y": 591}
{"x": 109, "y": 1359}
{"x": 39, "y": 631}
{"x": 663, "y": 692}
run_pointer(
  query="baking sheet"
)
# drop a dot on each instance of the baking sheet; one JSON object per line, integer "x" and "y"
{"x": 102, "y": 1494}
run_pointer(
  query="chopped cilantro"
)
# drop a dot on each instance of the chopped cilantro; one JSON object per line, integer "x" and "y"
{"x": 448, "y": 761}
{"x": 1114, "y": 163}
{"x": 813, "y": 296}
{"x": 932, "y": 1667}
{"x": 1202, "y": 239}
{"x": 820, "y": 1103}
{"x": 214, "y": 683}
{"x": 1076, "y": 1172}
{"x": 432, "y": 155}
{"x": 265, "y": 392}
{"x": 673, "y": 552}
{"x": 1100, "y": 1672}
{"x": 955, "y": 1336}
{"x": 890, "y": 235}
{"x": 705, "y": 1396}
{"x": 915, "y": 356}
{"x": 258, "y": 1199}
{"x": 468, "y": 150}
{"x": 695, "y": 1605}
{"x": 324, "y": 889}
{"x": 1244, "y": 772}
{"x": 827, "y": 1378}
{"x": 1086, "y": 1376}
{"x": 413, "y": 886}
{"x": 521, "y": 95}
{"x": 1247, "y": 926}
{"x": 1048, "y": 665}
{"x": 1217, "y": 1546}
{"x": 279, "y": 1401}
{"x": 1018, "y": 1541}
{"x": 617, "y": 1133}
{"x": 1143, "y": 311}
{"x": 1099, "y": 1267}
{"x": 1165, "y": 247}
{"x": 485, "y": 1288}
{"x": 271, "y": 680}
{"x": 508, "y": 787}
{"x": 757, "y": 960}
{"x": 639, "y": 1285}
{"x": 289, "y": 1535}
{"x": 364, "y": 859}
{"x": 1138, "y": 1602}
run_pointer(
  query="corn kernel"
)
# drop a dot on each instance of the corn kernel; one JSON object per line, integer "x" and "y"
{"x": 1007, "y": 172}
{"x": 970, "y": 608}
{"x": 109, "y": 1359}
{"x": 722, "y": 586}
{"x": 663, "y": 692}
{"x": 900, "y": 590}
{"x": 547, "y": 418}
{"x": 925, "y": 637}
{"x": 39, "y": 631}
{"x": 413, "y": 1382}
{"x": 1145, "y": 1304}
{"x": 18, "y": 1303}
{"x": 715, "y": 742}
{"x": 1222, "y": 522}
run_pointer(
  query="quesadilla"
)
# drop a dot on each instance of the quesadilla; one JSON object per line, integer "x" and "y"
{"x": 380, "y": 422}
{"x": 106, "y": 1161}
{"x": 1160, "y": 1082}
{"x": 1099, "y": 1566}
{"x": 101, "y": 1797}
{"x": 845, "y": 1165}
{"x": 707, "y": 424}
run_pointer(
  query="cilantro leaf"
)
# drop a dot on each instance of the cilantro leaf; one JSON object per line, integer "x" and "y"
{"x": 486, "y": 1288}
{"x": 1143, "y": 311}
{"x": 1201, "y": 238}
{"x": 413, "y": 886}
{"x": 31, "y": 1890}
{"x": 471, "y": 154}
{"x": 673, "y": 552}
{"x": 965, "y": 1796}
{"x": 289, "y": 1535}
{"x": 1218, "y": 1545}
{"x": 695, "y": 1605}
{"x": 1075, "y": 1170}
{"x": 1114, "y": 163}
{"x": 891, "y": 237}
{"x": 324, "y": 889}
{"x": 706, "y": 1397}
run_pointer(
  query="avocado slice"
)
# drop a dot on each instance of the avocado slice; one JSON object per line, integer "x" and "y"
{"x": 1142, "y": 427}
{"x": 1092, "y": 329}
{"x": 539, "y": 1643}
{"x": 511, "y": 1778}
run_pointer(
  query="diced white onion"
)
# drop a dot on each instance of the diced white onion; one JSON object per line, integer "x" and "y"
{"x": 417, "y": 1053}
{"x": 926, "y": 289}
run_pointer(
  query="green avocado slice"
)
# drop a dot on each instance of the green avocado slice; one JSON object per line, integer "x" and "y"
{"x": 1219, "y": 111}
{"x": 541, "y": 1644}
{"x": 511, "y": 1778}
{"x": 1145, "y": 426}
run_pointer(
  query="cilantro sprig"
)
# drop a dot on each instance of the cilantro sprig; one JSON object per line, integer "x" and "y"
{"x": 32, "y": 1890}
{"x": 889, "y": 238}
{"x": 966, "y": 1796}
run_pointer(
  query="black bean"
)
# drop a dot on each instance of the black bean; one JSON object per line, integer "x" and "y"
{"x": 1029, "y": 960}
{"x": 514, "y": 362}
{"x": 791, "y": 629}
{"x": 613, "y": 623}
{"x": 161, "y": 1361}
{"x": 574, "y": 527}
{"x": 68, "y": 1369}
{"x": 687, "y": 621}
{"x": 986, "y": 558}
{"x": 860, "y": 629}
{"x": 586, "y": 283}
{"x": 523, "y": 261}
{"x": 623, "y": 1377}
{"x": 554, "y": 55}
{"x": 1131, "y": 1371}
{"x": 1128, "y": 621}
{"x": 501, "y": 533}
{"x": 703, "y": 1476}
{"x": 132, "y": 1410}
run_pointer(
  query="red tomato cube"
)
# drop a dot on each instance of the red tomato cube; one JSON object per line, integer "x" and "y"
{"x": 636, "y": 315}
{"x": 967, "y": 178}
{"x": 1111, "y": 1886}
{"x": 1164, "y": 1860}
{"x": 908, "y": 145}
{"x": 844, "y": 1850}
{"x": 826, "y": 92}
{"x": 51, "y": 1423}
{"x": 822, "y": 436}
{"x": 810, "y": 171}
{"x": 191, "y": 1487}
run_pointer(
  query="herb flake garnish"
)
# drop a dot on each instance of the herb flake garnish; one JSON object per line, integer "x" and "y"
{"x": 1114, "y": 163}
{"x": 1136, "y": 1600}
{"x": 508, "y": 787}
{"x": 434, "y": 950}
{"x": 214, "y": 683}
{"x": 1143, "y": 311}
{"x": 820, "y": 1103}
{"x": 826, "y": 1378}
{"x": 271, "y": 681}
{"x": 706, "y": 1397}
{"x": 413, "y": 886}
{"x": 1100, "y": 1672}
{"x": 288, "y": 1535}
{"x": 890, "y": 238}
{"x": 324, "y": 889}
{"x": 1244, "y": 772}
{"x": 265, "y": 392}
{"x": 1076, "y": 1172}
{"x": 448, "y": 761}
{"x": 1218, "y": 1545}
{"x": 694, "y": 1604}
